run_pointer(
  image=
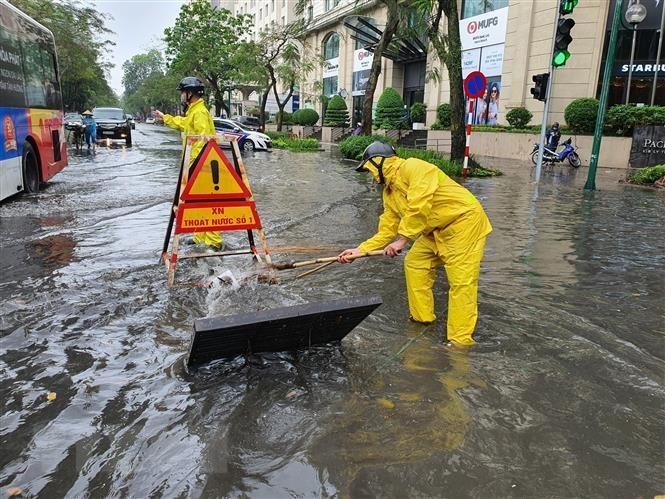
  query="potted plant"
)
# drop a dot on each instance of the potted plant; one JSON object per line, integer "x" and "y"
{"x": 417, "y": 115}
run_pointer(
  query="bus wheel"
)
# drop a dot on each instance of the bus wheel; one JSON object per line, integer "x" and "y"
{"x": 30, "y": 169}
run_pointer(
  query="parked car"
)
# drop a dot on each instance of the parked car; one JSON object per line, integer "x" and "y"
{"x": 231, "y": 131}
{"x": 249, "y": 123}
{"x": 255, "y": 141}
{"x": 112, "y": 123}
{"x": 150, "y": 120}
{"x": 131, "y": 120}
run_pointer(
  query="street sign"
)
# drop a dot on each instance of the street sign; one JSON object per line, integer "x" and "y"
{"x": 214, "y": 178}
{"x": 216, "y": 216}
{"x": 475, "y": 84}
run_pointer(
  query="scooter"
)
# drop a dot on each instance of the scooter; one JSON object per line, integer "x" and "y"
{"x": 549, "y": 156}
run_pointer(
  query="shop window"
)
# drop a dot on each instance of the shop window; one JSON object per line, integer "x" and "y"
{"x": 331, "y": 46}
{"x": 472, "y": 8}
{"x": 330, "y": 86}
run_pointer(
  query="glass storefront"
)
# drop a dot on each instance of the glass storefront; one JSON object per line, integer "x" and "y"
{"x": 472, "y": 8}
{"x": 644, "y": 63}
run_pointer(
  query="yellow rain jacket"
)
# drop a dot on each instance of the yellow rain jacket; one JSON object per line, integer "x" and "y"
{"x": 448, "y": 227}
{"x": 197, "y": 121}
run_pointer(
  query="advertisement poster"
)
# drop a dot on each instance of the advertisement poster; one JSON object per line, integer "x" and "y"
{"x": 331, "y": 67}
{"x": 484, "y": 30}
{"x": 491, "y": 62}
{"x": 362, "y": 63}
{"x": 486, "y": 108}
{"x": 470, "y": 61}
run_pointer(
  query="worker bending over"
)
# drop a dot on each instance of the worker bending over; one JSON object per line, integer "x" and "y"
{"x": 447, "y": 226}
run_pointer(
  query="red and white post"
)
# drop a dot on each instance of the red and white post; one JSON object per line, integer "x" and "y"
{"x": 469, "y": 122}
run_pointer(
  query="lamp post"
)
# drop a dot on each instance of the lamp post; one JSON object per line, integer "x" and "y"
{"x": 635, "y": 14}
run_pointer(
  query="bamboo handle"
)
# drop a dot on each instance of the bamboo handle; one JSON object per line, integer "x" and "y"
{"x": 329, "y": 259}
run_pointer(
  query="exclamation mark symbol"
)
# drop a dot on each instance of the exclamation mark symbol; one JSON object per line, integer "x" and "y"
{"x": 214, "y": 165}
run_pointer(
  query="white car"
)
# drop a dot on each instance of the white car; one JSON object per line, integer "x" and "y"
{"x": 150, "y": 121}
{"x": 254, "y": 141}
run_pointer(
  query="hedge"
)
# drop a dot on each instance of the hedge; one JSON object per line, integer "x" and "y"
{"x": 443, "y": 117}
{"x": 648, "y": 175}
{"x": 622, "y": 118}
{"x": 297, "y": 144}
{"x": 519, "y": 117}
{"x": 417, "y": 113}
{"x": 337, "y": 113}
{"x": 581, "y": 114}
{"x": 390, "y": 113}
{"x": 352, "y": 147}
{"x": 305, "y": 117}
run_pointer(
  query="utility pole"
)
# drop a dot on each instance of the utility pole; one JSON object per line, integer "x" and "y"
{"x": 600, "y": 119}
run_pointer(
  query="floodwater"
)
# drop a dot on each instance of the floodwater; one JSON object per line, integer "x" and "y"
{"x": 563, "y": 396}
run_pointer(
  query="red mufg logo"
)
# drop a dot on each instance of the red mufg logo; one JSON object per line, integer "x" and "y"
{"x": 472, "y": 27}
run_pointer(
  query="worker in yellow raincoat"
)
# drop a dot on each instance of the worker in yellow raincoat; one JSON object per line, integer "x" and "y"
{"x": 197, "y": 121}
{"x": 447, "y": 226}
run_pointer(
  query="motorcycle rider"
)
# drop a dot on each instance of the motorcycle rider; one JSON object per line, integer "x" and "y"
{"x": 552, "y": 136}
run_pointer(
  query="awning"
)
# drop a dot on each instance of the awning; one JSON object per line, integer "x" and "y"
{"x": 400, "y": 50}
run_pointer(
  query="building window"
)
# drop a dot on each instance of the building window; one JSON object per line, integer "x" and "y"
{"x": 272, "y": 6}
{"x": 472, "y": 8}
{"x": 260, "y": 14}
{"x": 331, "y": 46}
{"x": 310, "y": 13}
{"x": 330, "y": 86}
{"x": 283, "y": 20}
{"x": 331, "y": 4}
{"x": 363, "y": 41}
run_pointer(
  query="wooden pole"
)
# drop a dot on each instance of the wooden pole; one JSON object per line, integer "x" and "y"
{"x": 329, "y": 259}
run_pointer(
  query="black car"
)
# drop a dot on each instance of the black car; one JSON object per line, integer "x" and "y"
{"x": 112, "y": 124}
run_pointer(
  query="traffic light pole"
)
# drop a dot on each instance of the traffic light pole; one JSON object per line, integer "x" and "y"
{"x": 546, "y": 109}
{"x": 600, "y": 118}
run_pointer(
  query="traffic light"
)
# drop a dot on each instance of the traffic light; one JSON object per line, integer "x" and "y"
{"x": 562, "y": 38}
{"x": 539, "y": 90}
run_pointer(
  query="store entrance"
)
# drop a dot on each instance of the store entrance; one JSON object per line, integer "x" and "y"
{"x": 414, "y": 83}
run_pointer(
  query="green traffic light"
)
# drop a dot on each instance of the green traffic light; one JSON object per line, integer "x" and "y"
{"x": 567, "y": 6}
{"x": 560, "y": 58}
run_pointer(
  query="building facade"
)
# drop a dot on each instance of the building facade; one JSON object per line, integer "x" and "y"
{"x": 508, "y": 40}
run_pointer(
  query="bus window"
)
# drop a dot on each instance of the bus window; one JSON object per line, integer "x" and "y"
{"x": 34, "y": 74}
{"x": 11, "y": 72}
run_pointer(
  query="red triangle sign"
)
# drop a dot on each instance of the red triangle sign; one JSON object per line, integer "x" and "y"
{"x": 214, "y": 177}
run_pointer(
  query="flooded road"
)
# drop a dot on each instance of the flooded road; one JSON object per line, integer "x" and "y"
{"x": 563, "y": 396}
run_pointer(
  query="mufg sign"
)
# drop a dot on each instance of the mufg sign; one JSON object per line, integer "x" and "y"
{"x": 648, "y": 148}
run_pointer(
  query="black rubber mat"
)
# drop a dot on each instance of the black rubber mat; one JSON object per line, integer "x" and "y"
{"x": 277, "y": 330}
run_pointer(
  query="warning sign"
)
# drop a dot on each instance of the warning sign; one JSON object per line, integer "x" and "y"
{"x": 231, "y": 215}
{"x": 214, "y": 178}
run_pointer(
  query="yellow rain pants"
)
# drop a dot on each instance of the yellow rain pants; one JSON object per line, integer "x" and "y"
{"x": 197, "y": 121}
{"x": 448, "y": 227}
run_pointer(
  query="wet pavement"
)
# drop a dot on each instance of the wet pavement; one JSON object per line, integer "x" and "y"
{"x": 563, "y": 396}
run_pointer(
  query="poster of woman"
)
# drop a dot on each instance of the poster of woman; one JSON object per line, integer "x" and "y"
{"x": 492, "y": 111}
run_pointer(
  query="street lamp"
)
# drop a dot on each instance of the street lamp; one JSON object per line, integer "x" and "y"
{"x": 635, "y": 14}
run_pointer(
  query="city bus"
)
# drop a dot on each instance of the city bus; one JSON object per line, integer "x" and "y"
{"x": 32, "y": 137}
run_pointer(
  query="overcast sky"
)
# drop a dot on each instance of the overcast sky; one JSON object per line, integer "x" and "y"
{"x": 138, "y": 26}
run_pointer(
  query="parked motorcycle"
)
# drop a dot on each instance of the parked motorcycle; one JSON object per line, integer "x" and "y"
{"x": 567, "y": 154}
{"x": 76, "y": 131}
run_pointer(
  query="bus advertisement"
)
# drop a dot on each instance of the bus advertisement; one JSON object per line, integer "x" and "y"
{"x": 32, "y": 138}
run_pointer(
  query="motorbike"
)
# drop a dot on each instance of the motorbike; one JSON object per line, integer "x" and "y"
{"x": 76, "y": 131}
{"x": 567, "y": 154}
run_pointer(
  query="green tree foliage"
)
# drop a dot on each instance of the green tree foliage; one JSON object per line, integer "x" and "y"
{"x": 158, "y": 90}
{"x": 140, "y": 67}
{"x": 337, "y": 114}
{"x": 209, "y": 43}
{"x": 519, "y": 117}
{"x": 417, "y": 113}
{"x": 81, "y": 39}
{"x": 305, "y": 117}
{"x": 390, "y": 112}
{"x": 581, "y": 115}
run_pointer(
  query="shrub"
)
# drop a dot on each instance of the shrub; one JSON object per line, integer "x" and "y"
{"x": 417, "y": 113}
{"x": 621, "y": 119}
{"x": 306, "y": 117}
{"x": 390, "y": 112}
{"x": 277, "y": 135}
{"x": 443, "y": 117}
{"x": 519, "y": 117}
{"x": 297, "y": 144}
{"x": 353, "y": 147}
{"x": 287, "y": 118}
{"x": 648, "y": 175}
{"x": 581, "y": 114}
{"x": 450, "y": 168}
{"x": 295, "y": 117}
{"x": 337, "y": 113}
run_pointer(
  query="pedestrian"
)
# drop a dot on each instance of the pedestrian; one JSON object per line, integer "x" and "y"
{"x": 90, "y": 129}
{"x": 197, "y": 121}
{"x": 359, "y": 129}
{"x": 447, "y": 227}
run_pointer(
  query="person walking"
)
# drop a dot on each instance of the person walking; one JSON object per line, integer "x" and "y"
{"x": 197, "y": 121}
{"x": 447, "y": 226}
{"x": 90, "y": 130}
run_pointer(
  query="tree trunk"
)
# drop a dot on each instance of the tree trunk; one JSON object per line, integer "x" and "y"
{"x": 375, "y": 71}
{"x": 264, "y": 101}
{"x": 281, "y": 105}
{"x": 453, "y": 59}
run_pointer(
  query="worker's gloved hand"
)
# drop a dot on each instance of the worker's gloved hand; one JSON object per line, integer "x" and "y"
{"x": 395, "y": 248}
{"x": 343, "y": 257}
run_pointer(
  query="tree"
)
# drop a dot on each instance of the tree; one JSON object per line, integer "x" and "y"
{"x": 390, "y": 113}
{"x": 448, "y": 48}
{"x": 337, "y": 113}
{"x": 81, "y": 39}
{"x": 140, "y": 67}
{"x": 209, "y": 43}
